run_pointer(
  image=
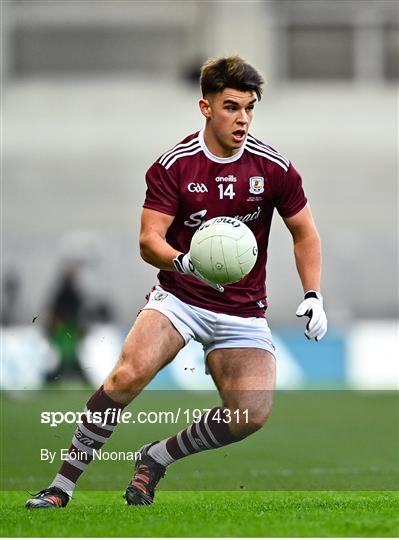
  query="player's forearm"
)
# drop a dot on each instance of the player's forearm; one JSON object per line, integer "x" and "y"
{"x": 156, "y": 251}
{"x": 308, "y": 261}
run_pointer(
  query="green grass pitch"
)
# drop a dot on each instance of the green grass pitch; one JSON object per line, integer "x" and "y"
{"x": 201, "y": 514}
{"x": 325, "y": 465}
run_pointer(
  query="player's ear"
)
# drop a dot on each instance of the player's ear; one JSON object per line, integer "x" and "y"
{"x": 205, "y": 107}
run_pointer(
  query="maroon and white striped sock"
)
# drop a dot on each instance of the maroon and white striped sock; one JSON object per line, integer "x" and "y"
{"x": 87, "y": 437}
{"x": 212, "y": 431}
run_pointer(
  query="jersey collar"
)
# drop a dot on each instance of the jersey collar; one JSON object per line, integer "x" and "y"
{"x": 218, "y": 159}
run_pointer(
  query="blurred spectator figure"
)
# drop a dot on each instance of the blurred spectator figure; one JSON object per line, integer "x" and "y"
{"x": 75, "y": 304}
{"x": 65, "y": 326}
{"x": 10, "y": 297}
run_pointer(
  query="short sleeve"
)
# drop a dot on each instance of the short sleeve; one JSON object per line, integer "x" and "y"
{"x": 289, "y": 195}
{"x": 162, "y": 190}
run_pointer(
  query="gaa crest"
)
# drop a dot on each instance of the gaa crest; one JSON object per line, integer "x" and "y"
{"x": 256, "y": 185}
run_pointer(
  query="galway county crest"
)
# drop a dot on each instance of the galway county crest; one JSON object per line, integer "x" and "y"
{"x": 256, "y": 185}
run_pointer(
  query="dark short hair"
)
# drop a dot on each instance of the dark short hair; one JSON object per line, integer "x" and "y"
{"x": 229, "y": 72}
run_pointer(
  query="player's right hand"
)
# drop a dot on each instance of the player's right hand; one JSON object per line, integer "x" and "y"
{"x": 184, "y": 265}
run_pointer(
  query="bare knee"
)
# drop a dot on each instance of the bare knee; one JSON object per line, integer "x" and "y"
{"x": 127, "y": 379}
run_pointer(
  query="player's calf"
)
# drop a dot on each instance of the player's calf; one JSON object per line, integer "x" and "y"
{"x": 245, "y": 420}
{"x": 213, "y": 430}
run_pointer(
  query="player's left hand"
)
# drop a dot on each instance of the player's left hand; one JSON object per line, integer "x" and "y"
{"x": 312, "y": 307}
{"x": 184, "y": 265}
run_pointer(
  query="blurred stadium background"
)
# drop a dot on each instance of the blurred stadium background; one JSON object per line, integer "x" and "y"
{"x": 94, "y": 91}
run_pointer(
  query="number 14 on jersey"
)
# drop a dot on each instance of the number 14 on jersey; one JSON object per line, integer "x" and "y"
{"x": 226, "y": 191}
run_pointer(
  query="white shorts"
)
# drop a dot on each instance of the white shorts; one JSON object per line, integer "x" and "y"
{"x": 212, "y": 330}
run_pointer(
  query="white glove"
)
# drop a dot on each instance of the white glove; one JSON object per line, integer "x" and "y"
{"x": 184, "y": 265}
{"x": 312, "y": 307}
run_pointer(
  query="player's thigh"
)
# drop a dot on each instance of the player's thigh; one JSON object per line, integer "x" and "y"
{"x": 152, "y": 343}
{"x": 245, "y": 378}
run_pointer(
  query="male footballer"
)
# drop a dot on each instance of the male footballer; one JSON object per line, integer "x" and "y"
{"x": 221, "y": 170}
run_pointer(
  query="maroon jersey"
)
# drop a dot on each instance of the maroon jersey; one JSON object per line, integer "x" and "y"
{"x": 194, "y": 185}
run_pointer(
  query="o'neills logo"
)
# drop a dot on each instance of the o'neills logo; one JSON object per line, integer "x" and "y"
{"x": 229, "y": 178}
